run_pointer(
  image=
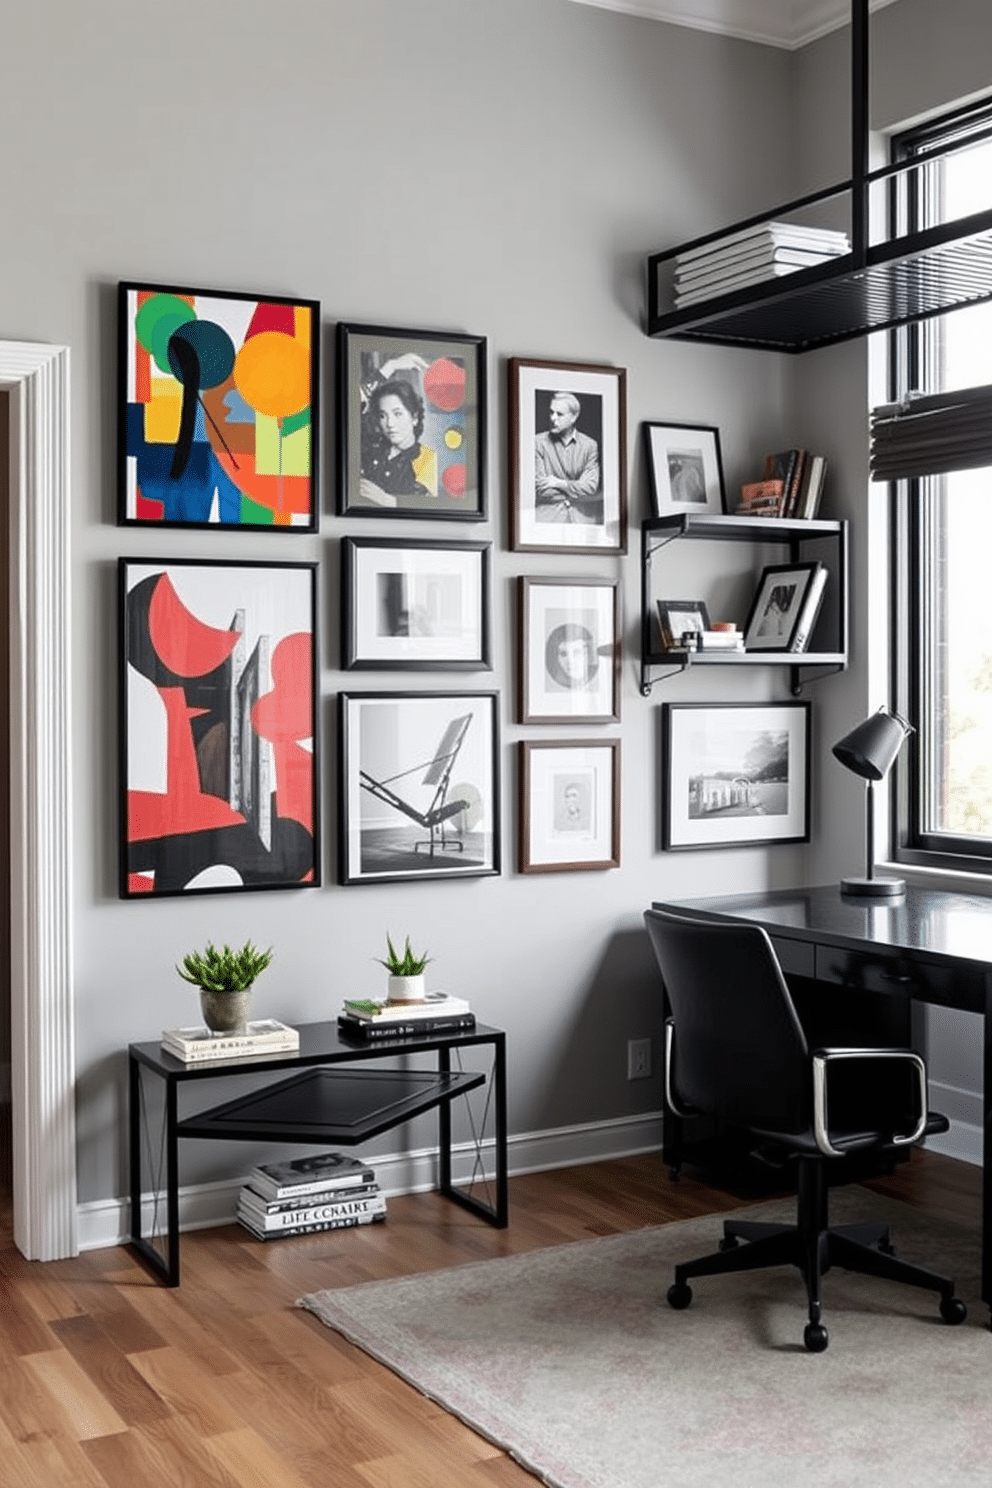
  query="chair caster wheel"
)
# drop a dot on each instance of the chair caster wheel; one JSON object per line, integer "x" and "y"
{"x": 729, "y": 1242}
{"x": 679, "y": 1295}
{"x": 815, "y": 1337}
{"x": 953, "y": 1310}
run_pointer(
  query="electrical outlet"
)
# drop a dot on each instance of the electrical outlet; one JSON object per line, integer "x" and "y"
{"x": 638, "y": 1059}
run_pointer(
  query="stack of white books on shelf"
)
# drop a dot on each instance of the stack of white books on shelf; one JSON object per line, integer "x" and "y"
{"x": 368, "y": 1018}
{"x": 714, "y": 640}
{"x": 264, "y": 1036}
{"x": 752, "y": 256}
{"x": 329, "y": 1192}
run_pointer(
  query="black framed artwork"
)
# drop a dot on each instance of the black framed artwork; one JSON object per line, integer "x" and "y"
{"x": 411, "y": 423}
{"x": 685, "y": 469}
{"x": 414, "y": 605}
{"x": 781, "y": 612}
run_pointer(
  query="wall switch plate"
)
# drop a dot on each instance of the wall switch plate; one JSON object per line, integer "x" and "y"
{"x": 638, "y": 1059}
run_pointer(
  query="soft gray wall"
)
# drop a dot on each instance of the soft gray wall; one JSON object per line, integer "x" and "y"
{"x": 500, "y": 167}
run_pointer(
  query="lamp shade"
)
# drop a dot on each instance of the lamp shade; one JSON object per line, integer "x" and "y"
{"x": 870, "y": 748}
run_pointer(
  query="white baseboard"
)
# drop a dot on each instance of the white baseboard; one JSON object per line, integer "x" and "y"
{"x": 963, "y": 1108}
{"x": 106, "y": 1222}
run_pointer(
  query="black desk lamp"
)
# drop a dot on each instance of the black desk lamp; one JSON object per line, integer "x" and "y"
{"x": 870, "y": 751}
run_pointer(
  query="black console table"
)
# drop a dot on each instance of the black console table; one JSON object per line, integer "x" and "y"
{"x": 313, "y": 1099}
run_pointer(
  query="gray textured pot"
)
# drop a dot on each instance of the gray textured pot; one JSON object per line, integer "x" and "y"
{"x": 226, "y": 1012}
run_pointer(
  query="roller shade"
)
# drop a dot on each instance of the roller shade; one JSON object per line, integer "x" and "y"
{"x": 932, "y": 434}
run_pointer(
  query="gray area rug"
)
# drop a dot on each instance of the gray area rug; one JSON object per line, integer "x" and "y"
{"x": 571, "y": 1360}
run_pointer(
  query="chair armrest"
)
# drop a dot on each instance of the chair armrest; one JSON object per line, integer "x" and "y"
{"x": 822, "y": 1058}
{"x": 670, "y": 1100}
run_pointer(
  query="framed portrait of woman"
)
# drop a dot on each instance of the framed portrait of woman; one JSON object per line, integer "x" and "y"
{"x": 569, "y": 643}
{"x": 411, "y": 423}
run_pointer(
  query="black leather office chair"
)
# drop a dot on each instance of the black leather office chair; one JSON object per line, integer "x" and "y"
{"x": 735, "y": 1050}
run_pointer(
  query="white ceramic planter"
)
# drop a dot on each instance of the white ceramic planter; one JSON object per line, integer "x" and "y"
{"x": 407, "y": 989}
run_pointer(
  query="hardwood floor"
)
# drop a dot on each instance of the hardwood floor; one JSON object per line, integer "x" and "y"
{"x": 108, "y": 1380}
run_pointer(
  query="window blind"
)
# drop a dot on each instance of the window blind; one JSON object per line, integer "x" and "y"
{"x": 932, "y": 434}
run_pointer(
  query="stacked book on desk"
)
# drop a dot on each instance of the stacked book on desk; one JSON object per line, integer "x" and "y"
{"x": 366, "y": 1018}
{"x": 751, "y": 256}
{"x": 265, "y": 1036}
{"x": 328, "y": 1192}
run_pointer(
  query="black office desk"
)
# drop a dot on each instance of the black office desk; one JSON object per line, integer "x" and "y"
{"x": 929, "y": 945}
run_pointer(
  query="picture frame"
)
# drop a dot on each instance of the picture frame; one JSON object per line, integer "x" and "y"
{"x": 420, "y": 788}
{"x": 676, "y": 616}
{"x": 576, "y": 501}
{"x": 735, "y": 774}
{"x": 569, "y": 805}
{"x": 219, "y": 761}
{"x": 779, "y": 607}
{"x": 218, "y": 409}
{"x": 685, "y": 469}
{"x": 568, "y": 650}
{"x": 412, "y": 420}
{"x": 414, "y": 605}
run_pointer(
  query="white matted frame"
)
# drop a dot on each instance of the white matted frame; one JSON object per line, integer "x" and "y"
{"x": 414, "y": 605}
{"x": 569, "y": 650}
{"x": 685, "y": 469}
{"x": 569, "y": 805}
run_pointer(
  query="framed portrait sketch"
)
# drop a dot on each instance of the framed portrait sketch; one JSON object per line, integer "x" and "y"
{"x": 415, "y": 605}
{"x": 569, "y": 806}
{"x": 411, "y": 423}
{"x": 735, "y": 774}
{"x": 419, "y": 786}
{"x": 217, "y": 409}
{"x": 685, "y": 469}
{"x": 569, "y": 650}
{"x": 218, "y": 739}
{"x": 784, "y": 607}
{"x": 568, "y": 457}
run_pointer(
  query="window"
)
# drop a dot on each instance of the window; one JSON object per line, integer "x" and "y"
{"x": 943, "y": 630}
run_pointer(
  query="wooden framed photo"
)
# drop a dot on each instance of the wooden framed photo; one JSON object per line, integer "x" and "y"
{"x": 218, "y": 407}
{"x": 783, "y": 608}
{"x": 568, "y": 457}
{"x": 218, "y": 739}
{"x": 411, "y": 423}
{"x": 676, "y": 617}
{"x": 415, "y": 605}
{"x": 569, "y": 805}
{"x": 685, "y": 469}
{"x": 569, "y": 650}
{"x": 735, "y": 774}
{"x": 419, "y": 786}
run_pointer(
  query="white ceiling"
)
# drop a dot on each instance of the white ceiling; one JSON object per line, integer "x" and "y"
{"x": 783, "y": 23}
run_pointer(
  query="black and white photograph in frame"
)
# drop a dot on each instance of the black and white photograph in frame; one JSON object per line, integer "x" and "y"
{"x": 569, "y": 805}
{"x": 568, "y": 457}
{"x": 680, "y": 617}
{"x": 777, "y": 607}
{"x": 419, "y": 786}
{"x": 735, "y": 774}
{"x": 685, "y": 469}
{"x": 569, "y": 650}
{"x": 415, "y": 605}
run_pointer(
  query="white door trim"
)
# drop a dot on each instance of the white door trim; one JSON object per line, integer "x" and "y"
{"x": 42, "y": 1028}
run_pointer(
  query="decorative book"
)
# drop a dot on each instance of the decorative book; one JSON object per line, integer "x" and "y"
{"x": 309, "y": 1175}
{"x": 264, "y": 1036}
{"x": 434, "y": 1005}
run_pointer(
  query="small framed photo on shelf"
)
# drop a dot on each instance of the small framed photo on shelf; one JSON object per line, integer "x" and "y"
{"x": 415, "y": 605}
{"x": 735, "y": 774}
{"x": 419, "y": 786}
{"x": 676, "y": 617}
{"x": 411, "y": 423}
{"x": 568, "y": 457}
{"x": 685, "y": 469}
{"x": 569, "y": 805}
{"x": 569, "y": 650}
{"x": 784, "y": 607}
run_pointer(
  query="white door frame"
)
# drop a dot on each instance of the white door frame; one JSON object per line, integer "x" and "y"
{"x": 43, "y": 1073}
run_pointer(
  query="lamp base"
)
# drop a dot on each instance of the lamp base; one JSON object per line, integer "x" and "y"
{"x": 873, "y": 888}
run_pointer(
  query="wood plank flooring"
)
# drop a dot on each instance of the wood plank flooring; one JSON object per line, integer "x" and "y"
{"x": 108, "y": 1380}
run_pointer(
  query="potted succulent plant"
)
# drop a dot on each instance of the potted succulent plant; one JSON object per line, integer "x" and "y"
{"x": 406, "y": 973}
{"x": 225, "y": 979}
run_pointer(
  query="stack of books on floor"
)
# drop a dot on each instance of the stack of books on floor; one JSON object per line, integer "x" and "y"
{"x": 791, "y": 485}
{"x": 751, "y": 256}
{"x": 330, "y": 1192}
{"x": 265, "y": 1036}
{"x": 365, "y": 1018}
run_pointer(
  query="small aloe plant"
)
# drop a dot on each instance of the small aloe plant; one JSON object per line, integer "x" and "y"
{"x": 224, "y": 970}
{"x": 405, "y": 965}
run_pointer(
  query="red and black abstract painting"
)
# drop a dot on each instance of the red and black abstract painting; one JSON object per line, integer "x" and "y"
{"x": 219, "y": 778}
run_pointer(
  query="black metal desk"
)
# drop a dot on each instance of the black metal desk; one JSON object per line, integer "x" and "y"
{"x": 930, "y": 946}
{"x": 312, "y": 1099}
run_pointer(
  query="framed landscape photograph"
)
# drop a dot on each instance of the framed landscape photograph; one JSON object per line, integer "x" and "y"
{"x": 411, "y": 423}
{"x": 677, "y": 616}
{"x": 735, "y": 774}
{"x": 569, "y": 805}
{"x": 568, "y": 457}
{"x": 217, "y": 409}
{"x": 685, "y": 469}
{"x": 415, "y": 605}
{"x": 419, "y": 786}
{"x": 569, "y": 650}
{"x": 218, "y": 739}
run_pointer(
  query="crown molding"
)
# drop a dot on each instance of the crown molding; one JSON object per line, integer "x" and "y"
{"x": 782, "y": 23}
